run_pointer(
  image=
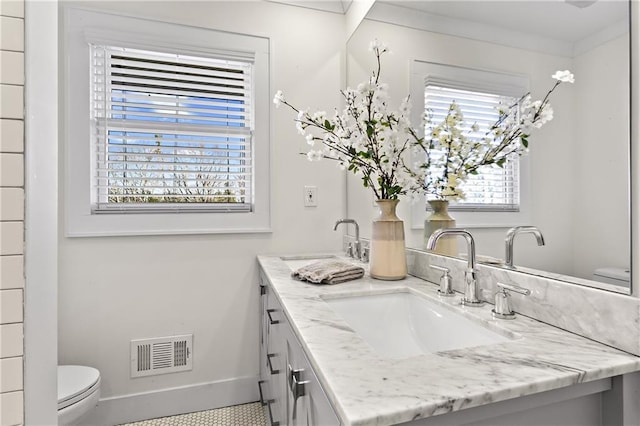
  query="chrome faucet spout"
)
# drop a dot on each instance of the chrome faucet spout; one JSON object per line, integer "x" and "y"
{"x": 354, "y": 250}
{"x": 339, "y": 221}
{"x": 471, "y": 285}
{"x": 511, "y": 234}
{"x": 471, "y": 245}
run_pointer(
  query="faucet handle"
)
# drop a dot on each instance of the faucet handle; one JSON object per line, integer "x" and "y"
{"x": 445, "y": 281}
{"x": 502, "y": 308}
{"x": 365, "y": 254}
{"x": 350, "y": 249}
{"x": 357, "y": 250}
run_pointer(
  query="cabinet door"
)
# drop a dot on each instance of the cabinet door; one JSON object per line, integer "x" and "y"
{"x": 275, "y": 357}
{"x": 271, "y": 358}
{"x": 263, "y": 329}
{"x": 306, "y": 402}
{"x": 291, "y": 392}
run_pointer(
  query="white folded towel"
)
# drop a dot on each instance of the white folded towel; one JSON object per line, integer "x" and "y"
{"x": 328, "y": 272}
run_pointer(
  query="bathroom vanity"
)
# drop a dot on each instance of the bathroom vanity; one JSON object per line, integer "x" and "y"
{"x": 318, "y": 366}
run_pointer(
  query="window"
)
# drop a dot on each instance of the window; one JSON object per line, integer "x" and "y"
{"x": 166, "y": 128}
{"x": 493, "y": 188}
{"x": 495, "y": 196}
{"x": 172, "y": 132}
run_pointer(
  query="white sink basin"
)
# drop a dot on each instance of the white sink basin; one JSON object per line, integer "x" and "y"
{"x": 403, "y": 324}
{"x": 295, "y": 262}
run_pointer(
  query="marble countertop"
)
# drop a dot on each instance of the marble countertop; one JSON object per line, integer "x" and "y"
{"x": 368, "y": 389}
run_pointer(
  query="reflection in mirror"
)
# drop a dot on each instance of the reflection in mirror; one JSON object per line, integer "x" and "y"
{"x": 574, "y": 182}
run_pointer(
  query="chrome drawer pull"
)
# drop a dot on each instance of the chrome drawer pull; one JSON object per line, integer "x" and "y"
{"x": 260, "y": 382}
{"x": 271, "y": 370}
{"x": 273, "y": 423}
{"x": 271, "y": 320}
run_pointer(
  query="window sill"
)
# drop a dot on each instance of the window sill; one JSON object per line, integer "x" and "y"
{"x": 92, "y": 225}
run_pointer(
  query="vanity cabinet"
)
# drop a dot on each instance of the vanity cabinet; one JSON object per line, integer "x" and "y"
{"x": 545, "y": 376}
{"x": 289, "y": 389}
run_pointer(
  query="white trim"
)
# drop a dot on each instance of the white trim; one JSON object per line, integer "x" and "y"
{"x": 634, "y": 151}
{"x": 355, "y": 15}
{"x": 500, "y": 83}
{"x": 79, "y": 220}
{"x": 173, "y": 401}
{"x": 41, "y": 213}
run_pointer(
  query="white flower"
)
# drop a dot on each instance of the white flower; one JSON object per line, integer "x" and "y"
{"x": 302, "y": 114}
{"x": 314, "y": 155}
{"x": 405, "y": 107}
{"x": 377, "y": 47}
{"x": 278, "y": 98}
{"x": 319, "y": 116}
{"x": 310, "y": 140}
{"x": 546, "y": 114}
{"x": 564, "y": 76}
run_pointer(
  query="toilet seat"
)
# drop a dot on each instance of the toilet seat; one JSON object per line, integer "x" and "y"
{"x": 76, "y": 383}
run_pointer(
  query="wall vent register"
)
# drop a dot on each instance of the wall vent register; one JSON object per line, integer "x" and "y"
{"x": 161, "y": 355}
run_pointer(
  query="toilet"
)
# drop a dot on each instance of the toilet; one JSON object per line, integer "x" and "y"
{"x": 612, "y": 275}
{"x": 78, "y": 393}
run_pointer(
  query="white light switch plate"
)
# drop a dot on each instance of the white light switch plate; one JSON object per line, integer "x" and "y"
{"x": 310, "y": 196}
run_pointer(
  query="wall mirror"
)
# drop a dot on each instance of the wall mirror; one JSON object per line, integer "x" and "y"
{"x": 576, "y": 174}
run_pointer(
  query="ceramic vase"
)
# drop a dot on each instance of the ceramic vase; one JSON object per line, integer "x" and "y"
{"x": 438, "y": 219}
{"x": 388, "y": 259}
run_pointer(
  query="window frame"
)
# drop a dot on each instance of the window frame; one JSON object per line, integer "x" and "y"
{"x": 478, "y": 80}
{"x": 82, "y": 27}
{"x": 113, "y": 128}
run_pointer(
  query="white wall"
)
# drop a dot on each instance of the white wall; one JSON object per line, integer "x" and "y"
{"x": 550, "y": 147}
{"x": 601, "y": 182}
{"x": 116, "y": 289}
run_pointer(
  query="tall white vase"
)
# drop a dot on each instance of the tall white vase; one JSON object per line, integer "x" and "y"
{"x": 388, "y": 259}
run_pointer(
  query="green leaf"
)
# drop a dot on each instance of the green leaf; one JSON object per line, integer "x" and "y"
{"x": 525, "y": 142}
{"x": 501, "y": 162}
{"x": 370, "y": 131}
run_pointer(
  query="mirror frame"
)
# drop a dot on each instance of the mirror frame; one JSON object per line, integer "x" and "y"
{"x": 634, "y": 139}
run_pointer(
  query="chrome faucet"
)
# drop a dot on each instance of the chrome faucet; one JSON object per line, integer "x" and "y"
{"x": 470, "y": 297}
{"x": 355, "y": 248}
{"x": 511, "y": 234}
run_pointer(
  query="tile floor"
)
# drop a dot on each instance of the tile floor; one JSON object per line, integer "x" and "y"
{"x": 237, "y": 415}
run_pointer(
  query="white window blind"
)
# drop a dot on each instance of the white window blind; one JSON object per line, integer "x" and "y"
{"x": 494, "y": 187}
{"x": 170, "y": 132}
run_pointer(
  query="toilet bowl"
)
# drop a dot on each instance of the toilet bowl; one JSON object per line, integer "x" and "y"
{"x": 611, "y": 275}
{"x": 78, "y": 393}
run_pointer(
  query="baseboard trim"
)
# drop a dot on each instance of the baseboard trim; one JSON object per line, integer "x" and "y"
{"x": 171, "y": 401}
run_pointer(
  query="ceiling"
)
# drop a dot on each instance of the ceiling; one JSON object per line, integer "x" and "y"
{"x": 562, "y": 27}
{"x": 335, "y": 6}
{"x": 556, "y": 19}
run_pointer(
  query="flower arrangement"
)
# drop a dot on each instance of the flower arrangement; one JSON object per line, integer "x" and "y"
{"x": 366, "y": 137}
{"x": 454, "y": 149}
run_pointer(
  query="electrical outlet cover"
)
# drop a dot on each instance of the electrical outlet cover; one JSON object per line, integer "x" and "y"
{"x": 310, "y": 196}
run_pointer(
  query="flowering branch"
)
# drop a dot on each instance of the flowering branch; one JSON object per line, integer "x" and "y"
{"x": 453, "y": 150}
{"x": 365, "y": 138}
